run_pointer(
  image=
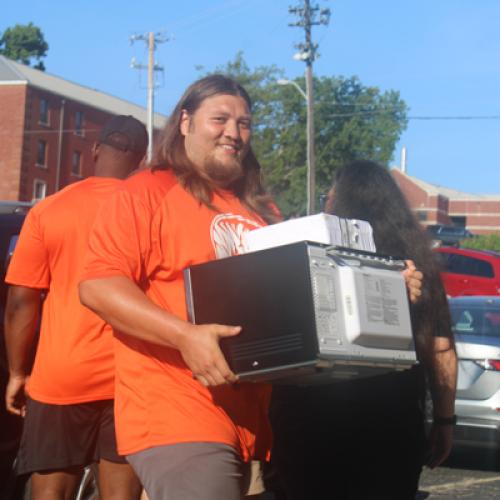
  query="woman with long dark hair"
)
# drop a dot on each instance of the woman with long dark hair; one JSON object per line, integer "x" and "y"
{"x": 365, "y": 438}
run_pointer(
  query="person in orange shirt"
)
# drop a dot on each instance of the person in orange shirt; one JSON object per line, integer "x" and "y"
{"x": 184, "y": 422}
{"x": 69, "y": 412}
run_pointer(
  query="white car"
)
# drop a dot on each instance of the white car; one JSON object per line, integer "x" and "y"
{"x": 476, "y": 324}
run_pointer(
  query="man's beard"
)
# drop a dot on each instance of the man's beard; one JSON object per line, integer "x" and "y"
{"x": 223, "y": 174}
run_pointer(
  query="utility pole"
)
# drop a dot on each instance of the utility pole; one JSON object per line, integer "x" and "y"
{"x": 151, "y": 39}
{"x": 308, "y": 17}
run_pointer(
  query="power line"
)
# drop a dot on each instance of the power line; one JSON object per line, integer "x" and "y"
{"x": 208, "y": 16}
{"x": 416, "y": 117}
{"x": 492, "y": 117}
{"x": 83, "y": 132}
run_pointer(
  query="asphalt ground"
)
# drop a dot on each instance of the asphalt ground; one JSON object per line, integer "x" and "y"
{"x": 468, "y": 474}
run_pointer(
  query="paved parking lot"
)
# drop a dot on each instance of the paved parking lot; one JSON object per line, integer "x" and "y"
{"x": 467, "y": 475}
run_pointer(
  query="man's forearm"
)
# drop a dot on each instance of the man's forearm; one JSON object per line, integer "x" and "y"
{"x": 21, "y": 319}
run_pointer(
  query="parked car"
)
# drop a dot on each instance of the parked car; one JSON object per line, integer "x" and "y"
{"x": 448, "y": 235}
{"x": 469, "y": 272}
{"x": 476, "y": 324}
{"x": 11, "y": 220}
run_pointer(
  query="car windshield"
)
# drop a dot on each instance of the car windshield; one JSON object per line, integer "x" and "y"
{"x": 482, "y": 319}
{"x": 450, "y": 230}
{"x": 10, "y": 250}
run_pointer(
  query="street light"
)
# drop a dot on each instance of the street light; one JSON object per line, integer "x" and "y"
{"x": 311, "y": 168}
{"x": 282, "y": 81}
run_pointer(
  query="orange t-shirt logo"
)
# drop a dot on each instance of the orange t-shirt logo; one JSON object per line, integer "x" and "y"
{"x": 228, "y": 231}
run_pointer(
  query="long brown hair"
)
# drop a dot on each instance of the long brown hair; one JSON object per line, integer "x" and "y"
{"x": 366, "y": 190}
{"x": 171, "y": 154}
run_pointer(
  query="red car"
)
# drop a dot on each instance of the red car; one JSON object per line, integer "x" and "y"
{"x": 470, "y": 272}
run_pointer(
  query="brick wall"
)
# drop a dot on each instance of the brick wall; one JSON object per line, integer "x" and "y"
{"x": 429, "y": 208}
{"x": 58, "y": 130}
{"x": 12, "y": 105}
{"x": 481, "y": 216}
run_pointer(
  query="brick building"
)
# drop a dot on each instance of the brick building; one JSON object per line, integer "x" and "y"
{"x": 47, "y": 128}
{"x": 480, "y": 214}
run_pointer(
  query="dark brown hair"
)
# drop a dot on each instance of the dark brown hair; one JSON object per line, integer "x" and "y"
{"x": 365, "y": 190}
{"x": 171, "y": 154}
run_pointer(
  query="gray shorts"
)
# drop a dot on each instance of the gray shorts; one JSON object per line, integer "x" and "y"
{"x": 191, "y": 471}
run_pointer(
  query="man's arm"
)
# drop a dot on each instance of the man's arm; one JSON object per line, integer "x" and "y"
{"x": 441, "y": 364}
{"x": 21, "y": 319}
{"x": 123, "y": 305}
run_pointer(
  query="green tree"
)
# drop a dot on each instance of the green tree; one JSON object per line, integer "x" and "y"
{"x": 23, "y": 43}
{"x": 483, "y": 242}
{"x": 352, "y": 121}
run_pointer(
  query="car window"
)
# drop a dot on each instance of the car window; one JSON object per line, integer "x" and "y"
{"x": 12, "y": 244}
{"x": 476, "y": 320}
{"x": 10, "y": 250}
{"x": 433, "y": 229}
{"x": 443, "y": 260}
{"x": 461, "y": 264}
{"x": 451, "y": 230}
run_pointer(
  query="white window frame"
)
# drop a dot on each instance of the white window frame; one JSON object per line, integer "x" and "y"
{"x": 47, "y": 112}
{"x": 73, "y": 156}
{"x": 39, "y": 183}
{"x": 44, "y": 164}
{"x": 79, "y": 129}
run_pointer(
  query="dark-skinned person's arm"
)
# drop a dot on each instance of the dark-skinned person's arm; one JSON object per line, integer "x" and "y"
{"x": 22, "y": 313}
{"x": 123, "y": 305}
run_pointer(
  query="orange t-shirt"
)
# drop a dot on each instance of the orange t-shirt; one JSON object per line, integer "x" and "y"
{"x": 74, "y": 361}
{"x": 150, "y": 231}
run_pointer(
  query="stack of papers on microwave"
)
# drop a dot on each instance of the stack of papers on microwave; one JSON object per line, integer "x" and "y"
{"x": 320, "y": 228}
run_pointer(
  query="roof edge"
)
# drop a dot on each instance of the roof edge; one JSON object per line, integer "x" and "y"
{"x": 5, "y": 83}
{"x": 451, "y": 194}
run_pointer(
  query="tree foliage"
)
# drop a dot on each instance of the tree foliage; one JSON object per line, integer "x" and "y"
{"x": 483, "y": 242}
{"x": 23, "y": 43}
{"x": 352, "y": 121}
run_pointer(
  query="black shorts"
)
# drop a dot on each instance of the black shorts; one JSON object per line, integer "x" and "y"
{"x": 57, "y": 437}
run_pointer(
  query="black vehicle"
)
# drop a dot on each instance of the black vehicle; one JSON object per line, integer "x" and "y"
{"x": 11, "y": 219}
{"x": 448, "y": 235}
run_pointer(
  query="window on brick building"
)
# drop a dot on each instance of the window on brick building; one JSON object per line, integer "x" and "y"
{"x": 79, "y": 123}
{"x": 41, "y": 154}
{"x": 421, "y": 216}
{"x": 44, "y": 111}
{"x": 460, "y": 221}
{"x": 39, "y": 189}
{"x": 76, "y": 163}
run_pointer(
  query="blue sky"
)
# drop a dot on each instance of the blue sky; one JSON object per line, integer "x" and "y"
{"x": 443, "y": 56}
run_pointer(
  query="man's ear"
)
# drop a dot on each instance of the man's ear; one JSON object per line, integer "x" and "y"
{"x": 185, "y": 122}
